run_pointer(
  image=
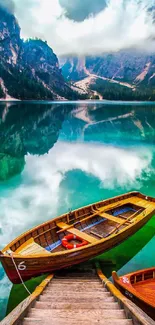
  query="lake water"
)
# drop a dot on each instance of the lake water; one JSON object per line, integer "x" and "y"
{"x": 59, "y": 156}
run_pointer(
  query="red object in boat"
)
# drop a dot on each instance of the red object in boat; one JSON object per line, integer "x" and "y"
{"x": 66, "y": 242}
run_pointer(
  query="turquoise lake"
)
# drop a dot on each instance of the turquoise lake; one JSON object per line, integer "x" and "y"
{"x": 55, "y": 157}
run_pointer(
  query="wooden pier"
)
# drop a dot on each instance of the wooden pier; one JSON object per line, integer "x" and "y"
{"x": 77, "y": 298}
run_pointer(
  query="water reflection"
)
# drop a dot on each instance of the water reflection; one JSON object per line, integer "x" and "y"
{"x": 66, "y": 160}
{"x": 35, "y": 128}
{"x": 118, "y": 123}
{"x": 68, "y": 155}
{"x": 27, "y": 128}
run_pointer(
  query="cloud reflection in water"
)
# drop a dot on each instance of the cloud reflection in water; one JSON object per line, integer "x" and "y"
{"x": 38, "y": 197}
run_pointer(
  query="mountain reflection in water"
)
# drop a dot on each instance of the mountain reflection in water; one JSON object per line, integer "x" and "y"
{"x": 60, "y": 156}
{"x": 27, "y": 129}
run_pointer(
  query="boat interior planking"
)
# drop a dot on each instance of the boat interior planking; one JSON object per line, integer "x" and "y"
{"x": 100, "y": 226}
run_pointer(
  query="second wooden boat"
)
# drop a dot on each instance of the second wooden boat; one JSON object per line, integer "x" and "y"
{"x": 76, "y": 236}
{"x": 140, "y": 288}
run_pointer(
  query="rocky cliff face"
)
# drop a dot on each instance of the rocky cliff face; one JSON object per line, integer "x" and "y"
{"x": 10, "y": 42}
{"x": 131, "y": 67}
{"x": 43, "y": 63}
{"x": 28, "y": 70}
{"x": 73, "y": 69}
{"x": 123, "y": 66}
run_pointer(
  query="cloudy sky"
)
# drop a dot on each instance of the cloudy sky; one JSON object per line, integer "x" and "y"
{"x": 88, "y": 26}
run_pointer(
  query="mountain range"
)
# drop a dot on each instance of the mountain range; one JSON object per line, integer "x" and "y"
{"x": 30, "y": 70}
{"x": 127, "y": 73}
{"x": 131, "y": 67}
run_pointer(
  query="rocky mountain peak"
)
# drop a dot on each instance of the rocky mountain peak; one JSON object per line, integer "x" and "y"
{"x": 10, "y": 41}
{"x": 28, "y": 69}
{"x": 42, "y": 61}
{"x": 39, "y": 53}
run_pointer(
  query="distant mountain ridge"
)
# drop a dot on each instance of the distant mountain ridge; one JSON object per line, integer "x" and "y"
{"x": 28, "y": 70}
{"x": 130, "y": 69}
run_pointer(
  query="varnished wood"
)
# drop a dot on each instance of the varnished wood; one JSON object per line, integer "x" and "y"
{"x": 138, "y": 316}
{"x": 45, "y": 232}
{"x": 95, "y": 234}
{"x": 83, "y": 220}
{"x": 78, "y": 233}
{"x": 18, "y": 314}
{"x": 77, "y": 302}
{"x": 140, "y": 288}
{"x": 98, "y": 212}
{"x": 30, "y": 247}
{"x": 111, "y": 218}
{"x": 37, "y": 260}
{"x": 123, "y": 223}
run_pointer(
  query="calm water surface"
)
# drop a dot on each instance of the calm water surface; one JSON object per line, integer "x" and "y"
{"x": 59, "y": 156}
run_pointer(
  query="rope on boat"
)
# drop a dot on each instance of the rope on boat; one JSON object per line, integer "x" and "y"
{"x": 20, "y": 277}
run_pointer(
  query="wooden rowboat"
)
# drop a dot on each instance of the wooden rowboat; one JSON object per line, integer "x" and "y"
{"x": 95, "y": 229}
{"x": 140, "y": 288}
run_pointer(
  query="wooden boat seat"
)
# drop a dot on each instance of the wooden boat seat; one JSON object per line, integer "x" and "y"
{"x": 31, "y": 248}
{"x": 112, "y": 218}
{"x": 132, "y": 200}
{"x": 77, "y": 232}
{"x": 96, "y": 234}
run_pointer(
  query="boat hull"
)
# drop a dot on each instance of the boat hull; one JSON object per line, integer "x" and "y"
{"x": 30, "y": 267}
{"x": 150, "y": 311}
{"x": 141, "y": 300}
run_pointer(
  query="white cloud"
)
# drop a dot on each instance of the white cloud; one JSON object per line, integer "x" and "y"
{"x": 122, "y": 24}
{"x": 39, "y": 196}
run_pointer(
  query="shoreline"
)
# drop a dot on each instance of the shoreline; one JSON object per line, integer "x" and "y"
{"x": 10, "y": 100}
{"x": 89, "y": 101}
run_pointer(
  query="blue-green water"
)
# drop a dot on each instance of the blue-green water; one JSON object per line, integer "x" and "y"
{"x": 59, "y": 156}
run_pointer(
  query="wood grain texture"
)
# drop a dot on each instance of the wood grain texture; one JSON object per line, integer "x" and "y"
{"x": 77, "y": 300}
{"x": 29, "y": 248}
{"x": 138, "y": 316}
{"x": 82, "y": 304}
{"x": 17, "y": 315}
{"x": 140, "y": 288}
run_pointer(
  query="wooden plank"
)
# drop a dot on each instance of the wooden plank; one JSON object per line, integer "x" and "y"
{"x": 87, "y": 218}
{"x": 104, "y": 203}
{"x": 78, "y": 314}
{"x": 77, "y": 232}
{"x": 96, "y": 234}
{"x": 60, "y": 321}
{"x": 76, "y": 305}
{"x": 82, "y": 235}
{"x": 63, "y": 225}
{"x": 131, "y": 310}
{"x": 105, "y": 208}
{"x": 17, "y": 315}
{"x": 81, "y": 297}
{"x": 112, "y": 218}
{"x": 30, "y": 247}
{"x": 132, "y": 200}
{"x": 75, "y": 223}
{"x": 45, "y": 232}
{"x": 123, "y": 223}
